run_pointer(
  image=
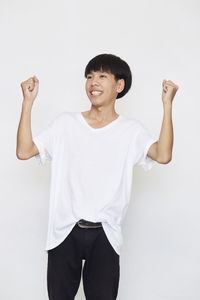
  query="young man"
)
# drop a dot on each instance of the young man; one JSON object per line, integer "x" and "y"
{"x": 93, "y": 154}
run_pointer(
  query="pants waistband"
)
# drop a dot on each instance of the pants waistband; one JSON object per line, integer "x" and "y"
{"x": 88, "y": 224}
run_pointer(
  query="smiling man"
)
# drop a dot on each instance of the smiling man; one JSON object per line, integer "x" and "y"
{"x": 93, "y": 154}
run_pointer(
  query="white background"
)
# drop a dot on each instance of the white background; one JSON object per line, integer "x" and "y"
{"x": 54, "y": 40}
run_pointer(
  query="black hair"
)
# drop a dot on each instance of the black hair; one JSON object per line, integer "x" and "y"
{"x": 112, "y": 64}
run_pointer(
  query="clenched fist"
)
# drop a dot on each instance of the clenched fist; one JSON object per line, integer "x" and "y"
{"x": 30, "y": 89}
{"x": 169, "y": 91}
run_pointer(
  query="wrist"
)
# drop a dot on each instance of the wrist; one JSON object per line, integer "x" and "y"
{"x": 167, "y": 105}
{"x": 27, "y": 105}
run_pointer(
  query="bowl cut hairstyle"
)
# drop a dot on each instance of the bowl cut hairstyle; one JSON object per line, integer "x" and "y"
{"x": 112, "y": 64}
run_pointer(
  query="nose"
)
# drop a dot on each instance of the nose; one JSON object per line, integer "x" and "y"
{"x": 94, "y": 80}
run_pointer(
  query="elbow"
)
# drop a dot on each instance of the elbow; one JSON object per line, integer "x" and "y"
{"x": 21, "y": 156}
{"x": 26, "y": 154}
{"x": 18, "y": 154}
{"x": 165, "y": 160}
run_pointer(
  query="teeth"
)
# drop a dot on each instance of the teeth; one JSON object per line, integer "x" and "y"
{"x": 96, "y": 93}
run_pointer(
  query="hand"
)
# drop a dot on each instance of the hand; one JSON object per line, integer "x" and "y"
{"x": 169, "y": 91}
{"x": 30, "y": 89}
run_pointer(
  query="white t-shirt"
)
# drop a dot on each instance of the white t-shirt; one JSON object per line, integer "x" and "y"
{"x": 91, "y": 172}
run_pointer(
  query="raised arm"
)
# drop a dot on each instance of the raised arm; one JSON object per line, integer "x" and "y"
{"x": 25, "y": 147}
{"x": 161, "y": 151}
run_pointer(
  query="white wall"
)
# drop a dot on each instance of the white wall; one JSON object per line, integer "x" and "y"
{"x": 54, "y": 40}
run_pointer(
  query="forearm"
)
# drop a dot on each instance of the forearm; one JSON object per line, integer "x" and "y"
{"x": 165, "y": 142}
{"x": 24, "y": 134}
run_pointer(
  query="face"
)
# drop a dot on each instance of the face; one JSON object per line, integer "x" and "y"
{"x": 102, "y": 88}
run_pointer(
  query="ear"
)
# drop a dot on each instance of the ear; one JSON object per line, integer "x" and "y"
{"x": 120, "y": 85}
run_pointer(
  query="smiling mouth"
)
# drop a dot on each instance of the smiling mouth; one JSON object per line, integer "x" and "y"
{"x": 95, "y": 93}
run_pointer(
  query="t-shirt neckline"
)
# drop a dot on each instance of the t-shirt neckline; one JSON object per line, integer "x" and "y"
{"x": 112, "y": 123}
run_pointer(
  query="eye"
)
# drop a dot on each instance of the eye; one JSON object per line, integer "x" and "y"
{"x": 102, "y": 75}
{"x": 89, "y": 77}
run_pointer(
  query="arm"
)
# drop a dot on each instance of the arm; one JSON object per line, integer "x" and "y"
{"x": 25, "y": 146}
{"x": 161, "y": 151}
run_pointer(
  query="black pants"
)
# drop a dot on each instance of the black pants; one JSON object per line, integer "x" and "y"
{"x": 101, "y": 268}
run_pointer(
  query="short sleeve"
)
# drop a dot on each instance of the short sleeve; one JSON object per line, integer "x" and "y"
{"x": 45, "y": 142}
{"x": 143, "y": 142}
